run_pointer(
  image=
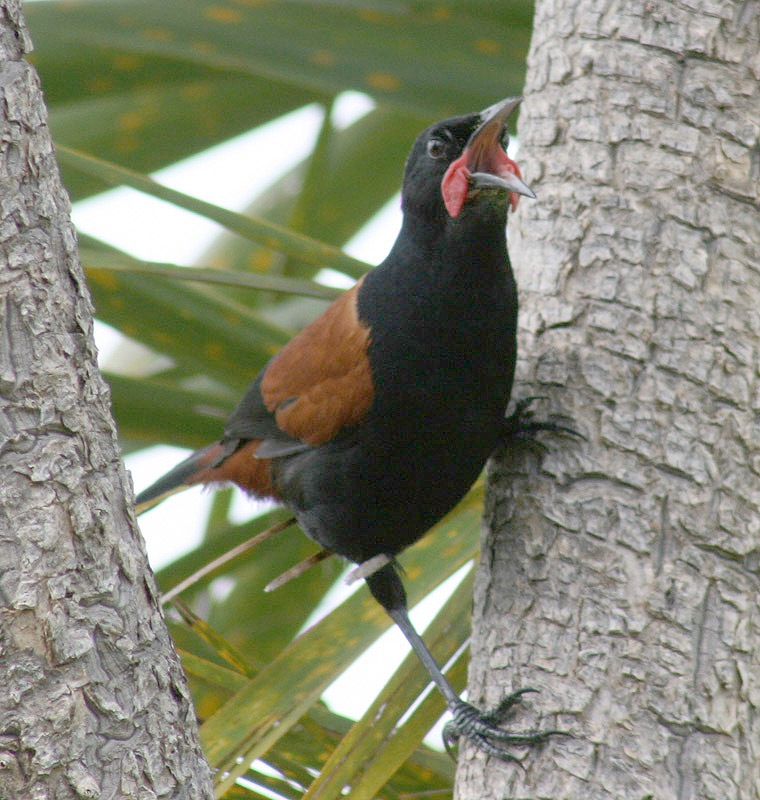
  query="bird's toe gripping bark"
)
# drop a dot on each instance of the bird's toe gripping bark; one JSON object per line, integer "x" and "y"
{"x": 521, "y": 424}
{"x": 482, "y": 729}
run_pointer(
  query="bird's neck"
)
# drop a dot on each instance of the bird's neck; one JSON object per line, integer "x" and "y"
{"x": 469, "y": 250}
{"x": 445, "y": 302}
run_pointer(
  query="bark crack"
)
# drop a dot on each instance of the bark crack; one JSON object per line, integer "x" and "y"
{"x": 700, "y": 634}
{"x": 662, "y": 536}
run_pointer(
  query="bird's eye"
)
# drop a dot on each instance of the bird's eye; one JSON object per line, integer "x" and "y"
{"x": 436, "y": 148}
{"x": 504, "y": 139}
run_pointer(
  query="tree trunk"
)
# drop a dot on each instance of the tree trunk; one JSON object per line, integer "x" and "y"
{"x": 94, "y": 702}
{"x": 620, "y": 574}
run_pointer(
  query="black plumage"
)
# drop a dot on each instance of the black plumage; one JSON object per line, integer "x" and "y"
{"x": 377, "y": 418}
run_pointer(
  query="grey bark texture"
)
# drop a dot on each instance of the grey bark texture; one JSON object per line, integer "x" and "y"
{"x": 93, "y": 701}
{"x": 621, "y": 575}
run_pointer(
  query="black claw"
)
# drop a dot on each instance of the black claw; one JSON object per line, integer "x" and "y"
{"x": 521, "y": 425}
{"x": 450, "y": 741}
{"x": 505, "y": 709}
{"x": 451, "y": 737}
{"x": 547, "y": 426}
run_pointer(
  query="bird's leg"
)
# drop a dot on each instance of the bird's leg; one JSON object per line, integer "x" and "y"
{"x": 482, "y": 729}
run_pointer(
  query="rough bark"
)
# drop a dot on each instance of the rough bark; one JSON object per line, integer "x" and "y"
{"x": 93, "y": 702}
{"x": 620, "y": 575}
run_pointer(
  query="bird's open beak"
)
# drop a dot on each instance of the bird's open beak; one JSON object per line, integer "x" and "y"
{"x": 483, "y": 163}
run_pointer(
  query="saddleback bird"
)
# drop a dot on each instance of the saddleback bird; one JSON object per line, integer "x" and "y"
{"x": 374, "y": 421}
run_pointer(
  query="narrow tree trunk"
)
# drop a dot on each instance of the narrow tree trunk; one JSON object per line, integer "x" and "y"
{"x": 621, "y": 577}
{"x": 93, "y": 700}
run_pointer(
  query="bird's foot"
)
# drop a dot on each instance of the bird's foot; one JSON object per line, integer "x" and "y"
{"x": 520, "y": 424}
{"x": 483, "y": 730}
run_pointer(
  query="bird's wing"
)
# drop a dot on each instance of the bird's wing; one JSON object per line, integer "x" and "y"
{"x": 318, "y": 384}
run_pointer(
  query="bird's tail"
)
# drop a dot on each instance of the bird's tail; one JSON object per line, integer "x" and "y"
{"x": 194, "y": 469}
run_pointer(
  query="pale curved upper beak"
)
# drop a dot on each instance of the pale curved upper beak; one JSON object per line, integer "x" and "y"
{"x": 489, "y": 170}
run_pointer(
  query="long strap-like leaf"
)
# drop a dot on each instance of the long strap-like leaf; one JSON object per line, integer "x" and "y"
{"x": 266, "y": 233}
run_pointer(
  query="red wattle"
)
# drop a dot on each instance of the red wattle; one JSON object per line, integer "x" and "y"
{"x": 514, "y": 198}
{"x": 454, "y": 185}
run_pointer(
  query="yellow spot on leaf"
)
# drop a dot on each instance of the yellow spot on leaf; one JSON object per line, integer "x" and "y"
{"x": 222, "y": 14}
{"x": 413, "y": 572}
{"x": 199, "y": 90}
{"x": 162, "y": 337}
{"x": 323, "y": 58}
{"x": 383, "y": 81}
{"x": 442, "y": 12}
{"x": 261, "y": 260}
{"x": 488, "y": 46}
{"x": 371, "y": 15}
{"x": 99, "y": 85}
{"x": 126, "y": 62}
{"x": 213, "y": 349}
{"x": 207, "y": 704}
{"x": 159, "y": 34}
{"x": 129, "y": 330}
{"x": 323, "y": 668}
{"x": 104, "y": 278}
{"x": 203, "y": 47}
{"x": 130, "y": 121}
